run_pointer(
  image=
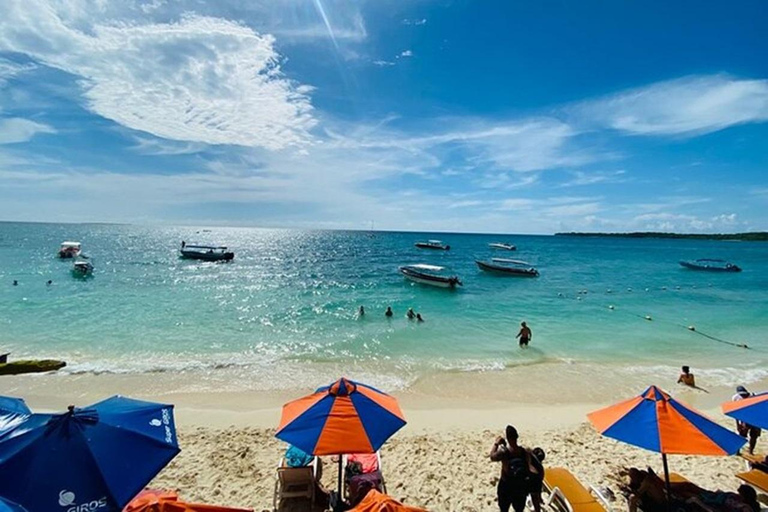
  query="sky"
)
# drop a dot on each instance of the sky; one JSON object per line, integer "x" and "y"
{"x": 511, "y": 116}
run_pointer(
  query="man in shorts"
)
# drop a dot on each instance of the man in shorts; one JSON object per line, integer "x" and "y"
{"x": 524, "y": 335}
{"x": 521, "y": 473}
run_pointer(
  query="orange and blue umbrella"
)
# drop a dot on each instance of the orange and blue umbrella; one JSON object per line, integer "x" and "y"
{"x": 752, "y": 410}
{"x": 657, "y": 422}
{"x": 345, "y": 417}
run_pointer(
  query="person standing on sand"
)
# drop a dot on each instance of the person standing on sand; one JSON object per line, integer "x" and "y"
{"x": 745, "y": 429}
{"x": 521, "y": 473}
{"x": 525, "y": 335}
{"x": 687, "y": 378}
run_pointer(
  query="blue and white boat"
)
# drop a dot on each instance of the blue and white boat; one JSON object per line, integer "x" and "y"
{"x": 430, "y": 275}
{"x": 711, "y": 265}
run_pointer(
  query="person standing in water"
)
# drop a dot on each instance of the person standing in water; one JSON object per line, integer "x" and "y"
{"x": 388, "y": 313}
{"x": 687, "y": 378}
{"x": 410, "y": 314}
{"x": 361, "y": 312}
{"x": 525, "y": 335}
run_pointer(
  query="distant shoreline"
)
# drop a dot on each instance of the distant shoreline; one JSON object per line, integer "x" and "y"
{"x": 756, "y": 236}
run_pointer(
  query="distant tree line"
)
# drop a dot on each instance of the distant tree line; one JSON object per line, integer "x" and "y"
{"x": 757, "y": 236}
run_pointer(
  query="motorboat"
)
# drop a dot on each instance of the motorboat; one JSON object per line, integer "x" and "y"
{"x": 206, "y": 252}
{"x": 505, "y": 247}
{"x": 69, "y": 250}
{"x": 711, "y": 265}
{"x": 433, "y": 244}
{"x": 503, "y": 266}
{"x": 430, "y": 275}
{"x": 82, "y": 268}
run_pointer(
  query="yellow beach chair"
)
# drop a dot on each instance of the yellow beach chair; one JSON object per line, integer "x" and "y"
{"x": 567, "y": 493}
{"x": 756, "y": 478}
{"x": 294, "y": 483}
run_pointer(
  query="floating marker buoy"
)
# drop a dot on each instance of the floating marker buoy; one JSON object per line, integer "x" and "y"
{"x": 677, "y": 287}
{"x": 691, "y": 328}
{"x": 611, "y": 306}
{"x": 559, "y": 294}
{"x": 647, "y": 289}
{"x": 648, "y": 317}
{"x": 608, "y": 291}
{"x": 578, "y": 298}
{"x": 629, "y": 289}
{"x": 663, "y": 287}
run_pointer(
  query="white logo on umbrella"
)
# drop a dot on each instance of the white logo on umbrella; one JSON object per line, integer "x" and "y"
{"x": 156, "y": 423}
{"x": 66, "y": 498}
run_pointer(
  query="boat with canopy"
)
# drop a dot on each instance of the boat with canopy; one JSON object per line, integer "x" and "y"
{"x": 430, "y": 275}
{"x": 506, "y": 267}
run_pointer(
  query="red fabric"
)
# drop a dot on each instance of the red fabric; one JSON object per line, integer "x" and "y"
{"x": 369, "y": 461}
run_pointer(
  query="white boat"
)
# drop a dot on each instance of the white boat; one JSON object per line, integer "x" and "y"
{"x": 82, "y": 268}
{"x": 499, "y": 245}
{"x": 433, "y": 244}
{"x": 430, "y": 275}
{"x": 69, "y": 250}
{"x": 503, "y": 266}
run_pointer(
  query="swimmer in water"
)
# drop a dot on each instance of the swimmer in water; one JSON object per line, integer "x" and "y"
{"x": 15, "y": 283}
{"x": 389, "y": 312}
{"x": 410, "y": 314}
{"x": 687, "y": 377}
{"x": 361, "y": 312}
{"x": 418, "y": 317}
{"x": 525, "y": 335}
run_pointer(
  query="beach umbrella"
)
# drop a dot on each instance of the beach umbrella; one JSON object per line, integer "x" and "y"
{"x": 345, "y": 417}
{"x": 12, "y": 412}
{"x": 657, "y": 422}
{"x": 152, "y": 500}
{"x": 9, "y": 506}
{"x": 95, "y": 458}
{"x": 752, "y": 410}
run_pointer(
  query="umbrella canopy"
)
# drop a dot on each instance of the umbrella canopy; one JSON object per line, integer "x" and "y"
{"x": 345, "y": 417}
{"x": 9, "y": 506}
{"x": 752, "y": 411}
{"x": 168, "y": 501}
{"x": 657, "y": 422}
{"x": 375, "y": 501}
{"x": 98, "y": 457}
{"x": 12, "y": 412}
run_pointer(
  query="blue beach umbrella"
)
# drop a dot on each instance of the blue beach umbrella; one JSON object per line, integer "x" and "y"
{"x": 12, "y": 412}
{"x": 9, "y": 506}
{"x": 94, "y": 459}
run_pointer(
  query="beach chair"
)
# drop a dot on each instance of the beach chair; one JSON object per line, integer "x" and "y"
{"x": 4, "y": 358}
{"x": 294, "y": 483}
{"x": 756, "y": 478}
{"x": 750, "y": 459}
{"x": 370, "y": 462}
{"x": 568, "y": 494}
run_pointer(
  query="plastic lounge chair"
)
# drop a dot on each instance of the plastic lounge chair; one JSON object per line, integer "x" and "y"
{"x": 676, "y": 478}
{"x": 294, "y": 483}
{"x": 755, "y": 478}
{"x": 376, "y": 466}
{"x": 750, "y": 459}
{"x": 567, "y": 493}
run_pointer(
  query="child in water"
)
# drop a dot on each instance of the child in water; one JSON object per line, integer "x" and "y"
{"x": 687, "y": 378}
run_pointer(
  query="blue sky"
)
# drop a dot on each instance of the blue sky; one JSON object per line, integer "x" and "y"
{"x": 507, "y": 116}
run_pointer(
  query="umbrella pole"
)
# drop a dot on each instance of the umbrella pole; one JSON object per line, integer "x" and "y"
{"x": 666, "y": 481}
{"x": 341, "y": 496}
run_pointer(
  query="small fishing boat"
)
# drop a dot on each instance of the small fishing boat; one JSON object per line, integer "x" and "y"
{"x": 507, "y": 267}
{"x": 711, "y": 265}
{"x": 433, "y": 244}
{"x": 82, "y": 268}
{"x": 505, "y": 247}
{"x": 430, "y": 275}
{"x": 205, "y": 252}
{"x": 69, "y": 250}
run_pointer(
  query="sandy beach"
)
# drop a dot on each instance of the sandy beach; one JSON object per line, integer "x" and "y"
{"x": 438, "y": 461}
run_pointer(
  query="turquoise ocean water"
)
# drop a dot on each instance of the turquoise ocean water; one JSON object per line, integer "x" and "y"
{"x": 289, "y": 300}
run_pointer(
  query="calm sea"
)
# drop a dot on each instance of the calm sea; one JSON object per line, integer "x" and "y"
{"x": 286, "y": 306}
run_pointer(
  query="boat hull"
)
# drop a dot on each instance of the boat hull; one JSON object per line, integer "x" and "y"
{"x": 507, "y": 271}
{"x": 430, "y": 280}
{"x": 433, "y": 247}
{"x": 709, "y": 268}
{"x": 204, "y": 256}
{"x": 503, "y": 247}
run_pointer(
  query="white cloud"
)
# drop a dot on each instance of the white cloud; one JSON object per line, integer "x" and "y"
{"x": 686, "y": 106}
{"x": 383, "y": 63}
{"x": 14, "y": 130}
{"x": 416, "y": 22}
{"x": 677, "y": 222}
{"x": 10, "y": 69}
{"x": 581, "y": 178}
{"x": 201, "y": 79}
{"x": 405, "y": 54}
